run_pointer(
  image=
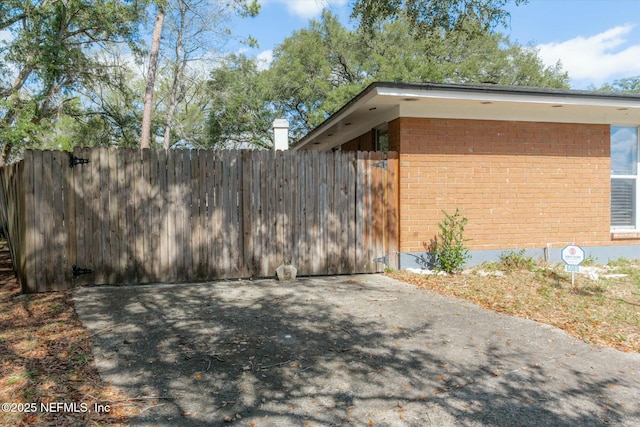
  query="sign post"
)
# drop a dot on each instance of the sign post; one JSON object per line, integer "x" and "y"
{"x": 572, "y": 256}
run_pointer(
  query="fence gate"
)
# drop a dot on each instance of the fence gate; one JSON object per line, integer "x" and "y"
{"x": 112, "y": 216}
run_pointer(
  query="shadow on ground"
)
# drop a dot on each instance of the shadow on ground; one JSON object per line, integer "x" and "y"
{"x": 350, "y": 350}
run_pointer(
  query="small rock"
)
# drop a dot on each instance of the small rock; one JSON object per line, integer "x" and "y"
{"x": 228, "y": 419}
{"x": 286, "y": 272}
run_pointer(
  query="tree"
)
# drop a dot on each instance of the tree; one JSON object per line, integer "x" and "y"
{"x": 627, "y": 84}
{"x": 427, "y": 16}
{"x": 318, "y": 69}
{"x": 240, "y": 113}
{"x": 106, "y": 112}
{"x": 145, "y": 136}
{"x": 192, "y": 23}
{"x": 52, "y": 49}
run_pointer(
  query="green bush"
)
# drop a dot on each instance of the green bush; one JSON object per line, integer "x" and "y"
{"x": 513, "y": 261}
{"x": 449, "y": 250}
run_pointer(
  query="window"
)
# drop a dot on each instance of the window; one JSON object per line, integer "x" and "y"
{"x": 624, "y": 177}
{"x": 382, "y": 138}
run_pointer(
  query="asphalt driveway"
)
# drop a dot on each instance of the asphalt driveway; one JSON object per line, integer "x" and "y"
{"x": 348, "y": 350}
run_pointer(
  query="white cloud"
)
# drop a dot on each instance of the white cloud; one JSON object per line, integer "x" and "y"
{"x": 5, "y": 36}
{"x": 307, "y": 9}
{"x": 264, "y": 59}
{"x": 595, "y": 59}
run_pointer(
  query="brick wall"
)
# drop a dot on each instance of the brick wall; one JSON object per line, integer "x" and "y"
{"x": 520, "y": 184}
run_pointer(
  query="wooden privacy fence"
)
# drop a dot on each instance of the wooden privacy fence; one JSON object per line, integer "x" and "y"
{"x": 111, "y": 216}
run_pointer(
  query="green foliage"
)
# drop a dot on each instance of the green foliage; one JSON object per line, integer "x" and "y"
{"x": 629, "y": 85}
{"x": 238, "y": 106}
{"x": 516, "y": 261}
{"x": 449, "y": 250}
{"x": 52, "y": 53}
{"x": 428, "y": 16}
{"x": 590, "y": 260}
{"x": 318, "y": 69}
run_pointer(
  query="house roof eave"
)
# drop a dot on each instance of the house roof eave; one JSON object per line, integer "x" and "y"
{"x": 449, "y": 100}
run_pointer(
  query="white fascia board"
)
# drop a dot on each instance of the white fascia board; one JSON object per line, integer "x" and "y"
{"x": 333, "y": 120}
{"x": 488, "y": 96}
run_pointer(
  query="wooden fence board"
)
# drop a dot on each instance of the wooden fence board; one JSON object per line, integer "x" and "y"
{"x": 145, "y": 202}
{"x": 201, "y": 178}
{"x": 162, "y": 217}
{"x": 172, "y": 216}
{"x": 123, "y": 235}
{"x": 58, "y": 233}
{"x": 392, "y": 229}
{"x": 44, "y": 189}
{"x": 216, "y": 216}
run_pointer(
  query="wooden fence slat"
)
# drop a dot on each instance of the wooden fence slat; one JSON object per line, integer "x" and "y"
{"x": 361, "y": 212}
{"x": 194, "y": 212}
{"x": 352, "y": 207}
{"x": 280, "y": 214}
{"x": 330, "y": 216}
{"x": 201, "y": 227}
{"x": 323, "y": 213}
{"x": 218, "y": 217}
{"x": 270, "y": 235}
{"x": 27, "y": 265}
{"x": 294, "y": 184}
{"x": 172, "y": 241}
{"x": 113, "y": 238}
{"x": 301, "y": 228}
{"x": 392, "y": 232}
{"x": 249, "y": 217}
{"x": 57, "y": 233}
{"x": 227, "y": 233}
{"x": 37, "y": 234}
{"x": 154, "y": 200}
{"x": 162, "y": 217}
{"x": 311, "y": 222}
{"x": 122, "y": 234}
{"x": 43, "y": 191}
{"x": 130, "y": 267}
{"x": 287, "y": 215}
{"x": 264, "y": 196}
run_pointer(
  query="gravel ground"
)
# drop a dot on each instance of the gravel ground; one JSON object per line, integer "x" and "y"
{"x": 346, "y": 350}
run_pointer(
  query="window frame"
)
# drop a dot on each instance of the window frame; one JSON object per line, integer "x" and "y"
{"x": 635, "y": 177}
{"x": 380, "y": 134}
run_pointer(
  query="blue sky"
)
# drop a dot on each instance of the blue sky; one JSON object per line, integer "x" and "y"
{"x": 596, "y": 41}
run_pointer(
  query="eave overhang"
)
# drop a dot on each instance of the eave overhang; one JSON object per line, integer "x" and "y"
{"x": 382, "y": 102}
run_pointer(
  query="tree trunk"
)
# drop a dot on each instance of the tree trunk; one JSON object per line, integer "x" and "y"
{"x": 151, "y": 78}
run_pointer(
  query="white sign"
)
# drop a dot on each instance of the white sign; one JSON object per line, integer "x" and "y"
{"x": 572, "y": 255}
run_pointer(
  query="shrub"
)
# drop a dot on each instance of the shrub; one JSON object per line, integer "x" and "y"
{"x": 449, "y": 250}
{"x": 512, "y": 261}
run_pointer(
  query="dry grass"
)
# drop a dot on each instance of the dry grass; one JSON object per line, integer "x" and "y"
{"x": 605, "y": 311}
{"x": 45, "y": 357}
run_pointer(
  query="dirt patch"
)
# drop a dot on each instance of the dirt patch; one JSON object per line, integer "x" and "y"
{"x": 45, "y": 359}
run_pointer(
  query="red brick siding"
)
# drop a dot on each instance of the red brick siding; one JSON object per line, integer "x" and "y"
{"x": 520, "y": 184}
